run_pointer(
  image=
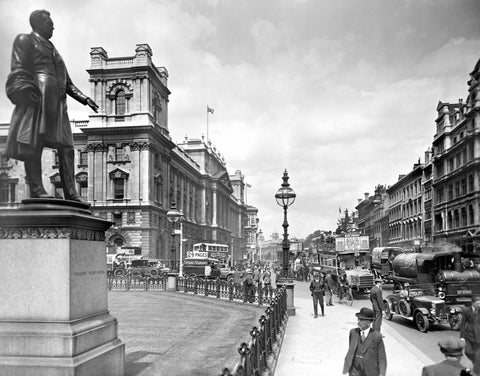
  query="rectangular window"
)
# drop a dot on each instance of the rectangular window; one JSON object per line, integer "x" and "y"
{"x": 13, "y": 192}
{"x": 451, "y": 165}
{"x": 84, "y": 192}
{"x": 4, "y": 191}
{"x": 84, "y": 158}
{"x": 119, "y": 154}
{"x": 457, "y": 189}
{"x": 471, "y": 183}
{"x": 450, "y": 191}
{"x": 3, "y": 161}
{"x": 119, "y": 189}
{"x": 439, "y": 169}
{"x": 117, "y": 219}
{"x": 464, "y": 186}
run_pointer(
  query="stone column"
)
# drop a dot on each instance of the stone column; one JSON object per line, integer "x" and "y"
{"x": 54, "y": 317}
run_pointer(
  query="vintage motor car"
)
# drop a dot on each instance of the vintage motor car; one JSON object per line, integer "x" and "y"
{"x": 444, "y": 275}
{"x": 419, "y": 303}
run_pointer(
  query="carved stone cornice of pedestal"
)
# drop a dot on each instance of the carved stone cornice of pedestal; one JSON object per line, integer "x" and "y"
{"x": 51, "y": 233}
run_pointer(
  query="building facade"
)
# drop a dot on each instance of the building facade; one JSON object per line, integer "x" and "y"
{"x": 372, "y": 214}
{"x": 406, "y": 209}
{"x": 456, "y": 173}
{"x": 130, "y": 171}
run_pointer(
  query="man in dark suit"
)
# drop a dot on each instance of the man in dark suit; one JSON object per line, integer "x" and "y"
{"x": 377, "y": 304}
{"x": 366, "y": 352}
{"x": 452, "y": 348}
{"x": 470, "y": 332}
{"x": 38, "y": 85}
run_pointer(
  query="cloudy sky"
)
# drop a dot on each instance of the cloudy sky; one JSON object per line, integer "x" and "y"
{"x": 342, "y": 94}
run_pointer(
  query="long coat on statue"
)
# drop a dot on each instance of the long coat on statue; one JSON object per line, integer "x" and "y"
{"x": 374, "y": 356}
{"x": 38, "y": 85}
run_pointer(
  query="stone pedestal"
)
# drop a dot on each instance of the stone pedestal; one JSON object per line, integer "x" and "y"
{"x": 290, "y": 287}
{"x": 172, "y": 281}
{"x": 54, "y": 317}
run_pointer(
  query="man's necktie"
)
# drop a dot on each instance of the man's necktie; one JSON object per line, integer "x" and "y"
{"x": 362, "y": 335}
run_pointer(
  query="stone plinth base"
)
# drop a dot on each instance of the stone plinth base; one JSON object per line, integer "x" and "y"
{"x": 172, "y": 281}
{"x": 54, "y": 317}
{"x": 290, "y": 287}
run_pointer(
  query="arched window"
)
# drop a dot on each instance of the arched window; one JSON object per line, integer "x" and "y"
{"x": 120, "y": 103}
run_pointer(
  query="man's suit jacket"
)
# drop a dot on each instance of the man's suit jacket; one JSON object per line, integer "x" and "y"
{"x": 446, "y": 368}
{"x": 376, "y": 298}
{"x": 374, "y": 356}
{"x": 470, "y": 326}
{"x": 38, "y": 85}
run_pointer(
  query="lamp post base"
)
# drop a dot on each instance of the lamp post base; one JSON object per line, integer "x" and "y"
{"x": 290, "y": 287}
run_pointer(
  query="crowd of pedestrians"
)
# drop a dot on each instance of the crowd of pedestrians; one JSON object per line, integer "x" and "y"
{"x": 262, "y": 277}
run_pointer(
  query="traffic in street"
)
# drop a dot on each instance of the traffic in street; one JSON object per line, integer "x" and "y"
{"x": 404, "y": 328}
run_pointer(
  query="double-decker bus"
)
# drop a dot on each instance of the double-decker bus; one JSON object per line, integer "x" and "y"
{"x": 211, "y": 250}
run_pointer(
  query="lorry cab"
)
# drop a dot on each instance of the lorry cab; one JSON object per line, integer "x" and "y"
{"x": 201, "y": 267}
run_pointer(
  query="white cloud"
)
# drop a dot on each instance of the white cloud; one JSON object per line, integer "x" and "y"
{"x": 341, "y": 95}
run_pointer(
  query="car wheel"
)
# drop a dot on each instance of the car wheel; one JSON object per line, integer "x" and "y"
{"x": 230, "y": 278}
{"x": 421, "y": 321}
{"x": 136, "y": 274}
{"x": 404, "y": 308}
{"x": 153, "y": 272}
{"x": 454, "y": 320}
{"x": 387, "y": 312}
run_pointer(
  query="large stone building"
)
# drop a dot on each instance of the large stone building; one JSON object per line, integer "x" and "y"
{"x": 456, "y": 162}
{"x": 371, "y": 216}
{"x": 130, "y": 171}
{"x": 406, "y": 209}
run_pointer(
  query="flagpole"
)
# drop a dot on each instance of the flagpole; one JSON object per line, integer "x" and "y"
{"x": 208, "y": 138}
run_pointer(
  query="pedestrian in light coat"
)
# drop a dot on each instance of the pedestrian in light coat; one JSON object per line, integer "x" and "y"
{"x": 366, "y": 351}
{"x": 470, "y": 332}
{"x": 377, "y": 304}
{"x": 329, "y": 286}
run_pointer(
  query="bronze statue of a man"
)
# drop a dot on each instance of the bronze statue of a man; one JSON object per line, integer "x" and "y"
{"x": 38, "y": 85}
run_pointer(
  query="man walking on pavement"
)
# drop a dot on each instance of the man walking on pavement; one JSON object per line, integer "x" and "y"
{"x": 317, "y": 287}
{"x": 366, "y": 351}
{"x": 329, "y": 285}
{"x": 452, "y": 348}
{"x": 377, "y": 304}
{"x": 470, "y": 333}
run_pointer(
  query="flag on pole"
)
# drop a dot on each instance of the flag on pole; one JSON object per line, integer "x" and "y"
{"x": 339, "y": 210}
{"x": 209, "y": 110}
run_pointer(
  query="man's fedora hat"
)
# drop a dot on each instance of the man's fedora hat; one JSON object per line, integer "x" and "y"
{"x": 365, "y": 314}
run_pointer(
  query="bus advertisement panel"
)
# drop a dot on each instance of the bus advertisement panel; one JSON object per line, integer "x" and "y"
{"x": 352, "y": 244}
{"x": 217, "y": 251}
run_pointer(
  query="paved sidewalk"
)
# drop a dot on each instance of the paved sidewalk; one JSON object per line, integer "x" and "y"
{"x": 318, "y": 346}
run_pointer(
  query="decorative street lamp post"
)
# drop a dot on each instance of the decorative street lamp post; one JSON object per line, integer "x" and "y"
{"x": 174, "y": 216}
{"x": 285, "y": 197}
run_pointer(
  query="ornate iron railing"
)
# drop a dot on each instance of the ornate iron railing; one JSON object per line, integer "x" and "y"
{"x": 136, "y": 283}
{"x": 221, "y": 289}
{"x": 259, "y": 356}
